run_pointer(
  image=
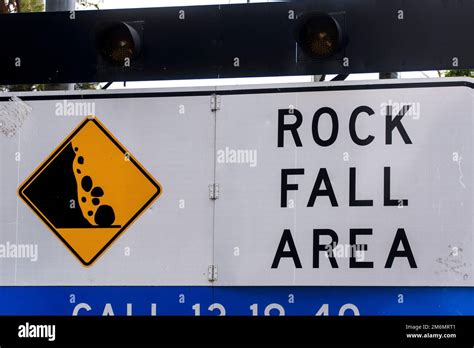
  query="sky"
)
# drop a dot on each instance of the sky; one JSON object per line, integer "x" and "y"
{"x": 116, "y": 4}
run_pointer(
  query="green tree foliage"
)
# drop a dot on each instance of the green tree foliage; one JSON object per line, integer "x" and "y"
{"x": 31, "y": 5}
{"x": 457, "y": 73}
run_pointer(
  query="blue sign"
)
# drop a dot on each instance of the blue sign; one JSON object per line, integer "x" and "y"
{"x": 243, "y": 301}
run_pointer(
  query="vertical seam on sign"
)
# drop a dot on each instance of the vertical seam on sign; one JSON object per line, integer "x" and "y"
{"x": 214, "y": 154}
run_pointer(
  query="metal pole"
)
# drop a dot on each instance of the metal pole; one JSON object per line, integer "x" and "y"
{"x": 389, "y": 75}
{"x": 60, "y": 5}
{"x": 318, "y": 78}
{"x": 54, "y": 6}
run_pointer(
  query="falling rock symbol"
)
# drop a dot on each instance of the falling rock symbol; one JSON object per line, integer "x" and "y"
{"x": 102, "y": 216}
{"x": 88, "y": 167}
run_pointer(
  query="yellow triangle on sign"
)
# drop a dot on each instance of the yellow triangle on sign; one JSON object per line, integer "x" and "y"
{"x": 87, "y": 243}
{"x": 89, "y": 190}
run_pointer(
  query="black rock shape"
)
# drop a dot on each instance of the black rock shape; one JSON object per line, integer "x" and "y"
{"x": 104, "y": 216}
{"x": 97, "y": 192}
{"x": 86, "y": 183}
{"x": 54, "y": 189}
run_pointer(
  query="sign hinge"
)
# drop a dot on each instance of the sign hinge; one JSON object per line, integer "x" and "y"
{"x": 213, "y": 191}
{"x": 215, "y": 102}
{"x": 212, "y": 273}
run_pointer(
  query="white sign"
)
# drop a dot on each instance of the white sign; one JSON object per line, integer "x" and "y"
{"x": 365, "y": 183}
{"x": 354, "y": 185}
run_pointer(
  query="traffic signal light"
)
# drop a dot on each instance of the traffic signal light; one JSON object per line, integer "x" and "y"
{"x": 319, "y": 35}
{"x": 119, "y": 43}
{"x": 240, "y": 40}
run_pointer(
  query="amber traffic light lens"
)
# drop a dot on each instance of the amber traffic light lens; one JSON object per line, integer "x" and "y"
{"x": 320, "y": 36}
{"x": 119, "y": 44}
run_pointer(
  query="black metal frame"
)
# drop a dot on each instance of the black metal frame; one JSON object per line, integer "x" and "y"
{"x": 240, "y": 40}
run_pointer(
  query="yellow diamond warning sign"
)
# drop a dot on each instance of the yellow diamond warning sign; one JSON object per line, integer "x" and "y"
{"x": 89, "y": 190}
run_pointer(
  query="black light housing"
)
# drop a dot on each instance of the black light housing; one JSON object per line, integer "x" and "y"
{"x": 204, "y": 42}
{"x": 319, "y": 35}
{"x": 117, "y": 42}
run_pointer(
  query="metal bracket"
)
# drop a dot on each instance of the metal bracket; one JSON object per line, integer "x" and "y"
{"x": 212, "y": 273}
{"x": 213, "y": 191}
{"x": 107, "y": 85}
{"x": 215, "y": 102}
{"x": 340, "y": 77}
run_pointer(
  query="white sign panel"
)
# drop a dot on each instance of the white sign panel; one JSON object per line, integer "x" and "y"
{"x": 170, "y": 134}
{"x": 346, "y": 185}
{"x": 330, "y": 184}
